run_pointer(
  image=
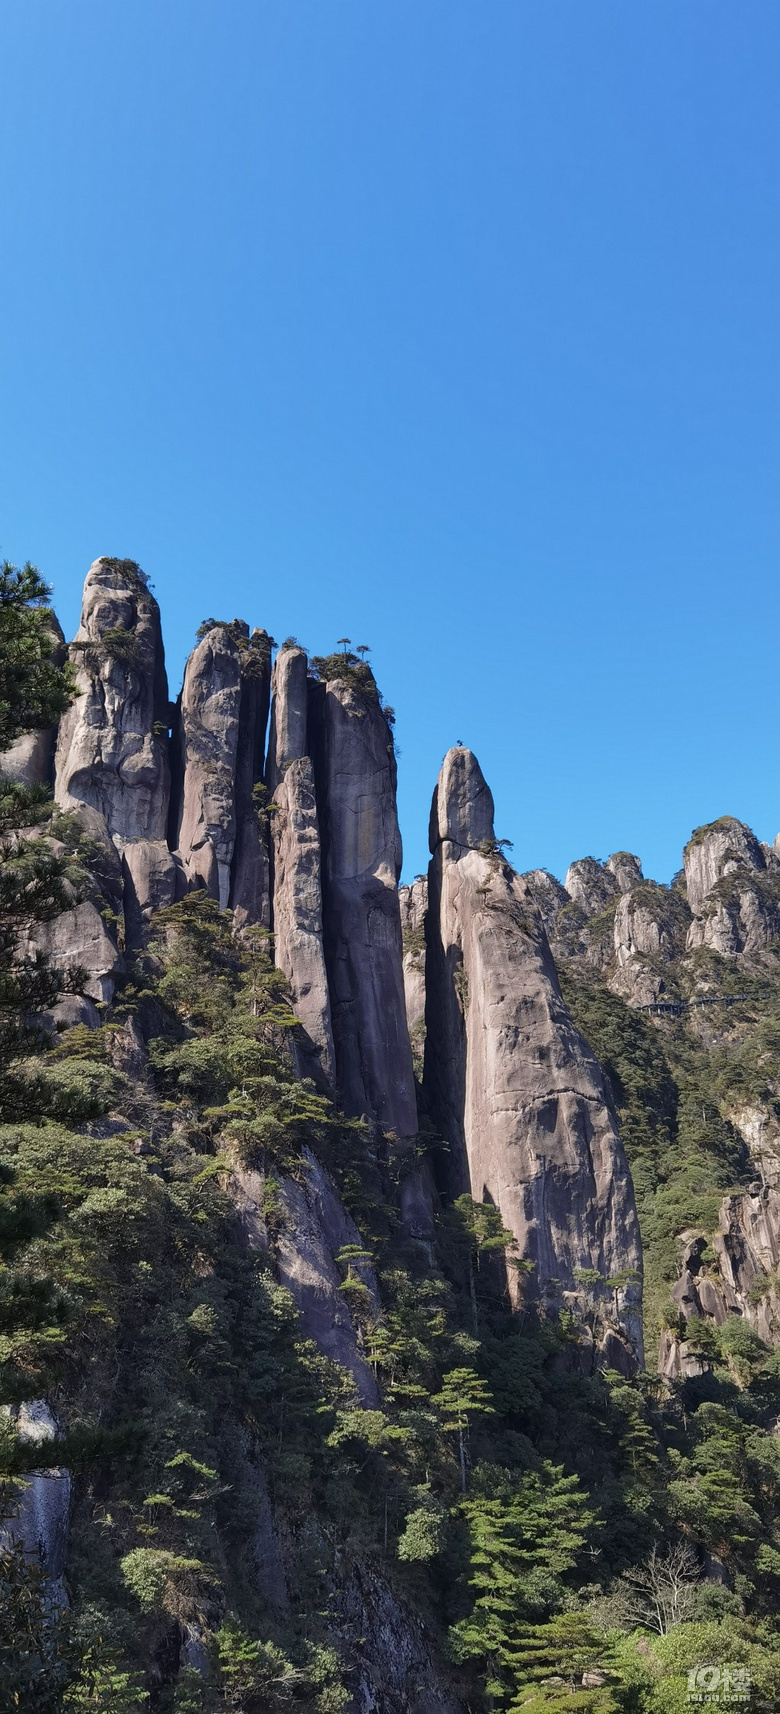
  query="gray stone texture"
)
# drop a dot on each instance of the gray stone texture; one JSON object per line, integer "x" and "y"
{"x": 512, "y": 1085}
{"x": 355, "y": 780}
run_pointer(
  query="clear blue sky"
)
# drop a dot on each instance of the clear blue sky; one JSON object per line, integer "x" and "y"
{"x": 449, "y": 325}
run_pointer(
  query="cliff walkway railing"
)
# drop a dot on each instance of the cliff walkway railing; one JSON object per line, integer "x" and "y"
{"x": 675, "y": 1008}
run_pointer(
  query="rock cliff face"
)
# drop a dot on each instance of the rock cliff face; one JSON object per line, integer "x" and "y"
{"x": 513, "y": 1086}
{"x": 210, "y": 703}
{"x": 508, "y": 1079}
{"x": 592, "y": 885}
{"x": 413, "y": 901}
{"x": 316, "y": 1228}
{"x": 739, "y": 1280}
{"x": 297, "y": 855}
{"x": 112, "y": 749}
{"x": 732, "y": 889}
{"x": 361, "y": 845}
{"x": 112, "y": 746}
{"x": 626, "y": 869}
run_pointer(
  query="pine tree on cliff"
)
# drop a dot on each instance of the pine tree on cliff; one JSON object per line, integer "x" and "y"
{"x": 34, "y": 691}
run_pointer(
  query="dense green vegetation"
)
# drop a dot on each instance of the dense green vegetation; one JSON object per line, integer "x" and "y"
{"x": 571, "y": 1539}
{"x": 497, "y": 1488}
{"x": 34, "y": 690}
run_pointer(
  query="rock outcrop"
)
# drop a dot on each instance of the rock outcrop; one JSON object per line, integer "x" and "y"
{"x": 512, "y": 1085}
{"x": 549, "y": 896}
{"x": 626, "y": 869}
{"x": 315, "y": 1230}
{"x": 737, "y": 1278}
{"x": 79, "y": 939}
{"x": 297, "y": 857}
{"x": 112, "y": 748}
{"x": 591, "y": 884}
{"x": 361, "y": 846}
{"x": 208, "y": 724}
{"x": 221, "y": 827}
{"x": 413, "y": 901}
{"x": 733, "y": 890}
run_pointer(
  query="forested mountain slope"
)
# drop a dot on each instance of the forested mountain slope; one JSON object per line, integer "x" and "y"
{"x": 325, "y": 1209}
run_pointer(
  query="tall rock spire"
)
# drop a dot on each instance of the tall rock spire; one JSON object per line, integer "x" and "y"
{"x": 112, "y": 749}
{"x": 297, "y": 866}
{"x": 356, "y": 779}
{"x": 512, "y": 1085}
{"x": 222, "y": 717}
{"x": 208, "y": 725}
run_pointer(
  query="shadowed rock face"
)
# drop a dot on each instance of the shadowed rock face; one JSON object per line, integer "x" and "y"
{"x": 297, "y": 862}
{"x": 250, "y": 891}
{"x": 317, "y": 1227}
{"x": 108, "y": 754}
{"x": 512, "y": 1085}
{"x": 413, "y": 901}
{"x": 355, "y": 782}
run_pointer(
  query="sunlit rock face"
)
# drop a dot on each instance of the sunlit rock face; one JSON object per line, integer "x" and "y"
{"x": 112, "y": 750}
{"x": 512, "y": 1085}
{"x": 361, "y": 849}
{"x": 733, "y": 890}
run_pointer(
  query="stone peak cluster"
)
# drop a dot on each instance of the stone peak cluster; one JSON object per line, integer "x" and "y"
{"x": 273, "y": 788}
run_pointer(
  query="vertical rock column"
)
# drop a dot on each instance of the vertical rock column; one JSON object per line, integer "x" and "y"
{"x": 297, "y": 880}
{"x": 250, "y": 892}
{"x": 355, "y": 778}
{"x": 513, "y": 1087}
{"x": 112, "y": 750}
{"x": 209, "y": 726}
